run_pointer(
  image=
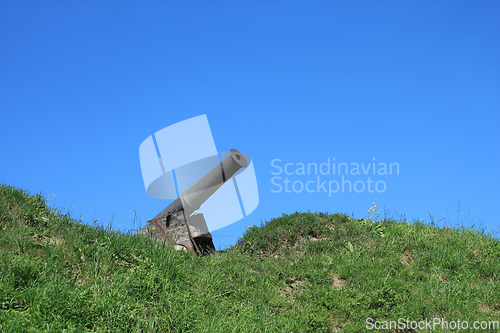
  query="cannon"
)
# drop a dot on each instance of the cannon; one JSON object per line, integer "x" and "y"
{"x": 175, "y": 224}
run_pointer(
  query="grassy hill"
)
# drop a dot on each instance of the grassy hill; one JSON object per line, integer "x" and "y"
{"x": 305, "y": 272}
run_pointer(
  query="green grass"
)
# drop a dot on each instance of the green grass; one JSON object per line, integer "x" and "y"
{"x": 305, "y": 272}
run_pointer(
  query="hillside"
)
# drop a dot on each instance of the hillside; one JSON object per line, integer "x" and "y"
{"x": 304, "y": 272}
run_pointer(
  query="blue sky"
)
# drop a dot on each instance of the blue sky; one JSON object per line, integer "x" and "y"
{"x": 83, "y": 84}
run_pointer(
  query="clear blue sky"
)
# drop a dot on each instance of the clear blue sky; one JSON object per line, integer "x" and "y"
{"x": 416, "y": 83}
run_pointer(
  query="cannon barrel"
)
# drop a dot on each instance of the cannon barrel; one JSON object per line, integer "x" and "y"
{"x": 191, "y": 199}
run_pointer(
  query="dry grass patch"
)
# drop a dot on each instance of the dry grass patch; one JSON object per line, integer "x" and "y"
{"x": 483, "y": 307}
{"x": 337, "y": 283}
{"x": 407, "y": 259}
{"x": 292, "y": 287}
